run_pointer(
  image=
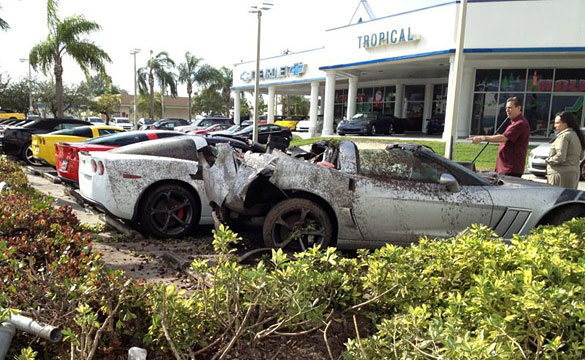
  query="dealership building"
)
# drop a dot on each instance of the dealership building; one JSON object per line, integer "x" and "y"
{"x": 404, "y": 64}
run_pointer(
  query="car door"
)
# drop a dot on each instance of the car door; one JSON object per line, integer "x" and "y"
{"x": 399, "y": 198}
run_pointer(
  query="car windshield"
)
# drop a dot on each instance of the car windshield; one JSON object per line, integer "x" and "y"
{"x": 246, "y": 130}
{"x": 122, "y": 121}
{"x": 362, "y": 117}
{"x": 96, "y": 120}
{"x": 147, "y": 121}
{"x": 233, "y": 128}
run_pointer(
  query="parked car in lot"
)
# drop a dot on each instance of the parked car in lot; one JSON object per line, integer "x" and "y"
{"x": 11, "y": 114}
{"x": 168, "y": 124}
{"x": 303, "y": 125}
{"x": 264, "y": 131}
{"x": 144, "y": 123}
{"x": 17, "y": 140}
{"x": 67, "y": 154}
{"x": 368, "y": 198}
{"x": 212, "y": 128}
{"x": 371, "y": 124}
{"x": 122, "y": 122}
{"x": 96, "y": 120}
{"x": 10, "y": 122}
{"x": 291, "y": 122}
{"x": 43, "y": 145}
{"x": 155, "y": 184}
{"x": 232, "y": 129}
{"x": 205, "y": 122}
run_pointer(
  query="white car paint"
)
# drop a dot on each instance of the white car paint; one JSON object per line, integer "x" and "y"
{"x": 119, "y": 194}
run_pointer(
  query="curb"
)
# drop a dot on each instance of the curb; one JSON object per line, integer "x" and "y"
{"x": 52, "y": 177}
{"x": 121, "y": 227}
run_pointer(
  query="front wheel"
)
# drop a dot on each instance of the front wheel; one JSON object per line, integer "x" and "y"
{"x": 297, "y": 224}
{"x": 27, "y": 155}
{"x": 170, "y": 210}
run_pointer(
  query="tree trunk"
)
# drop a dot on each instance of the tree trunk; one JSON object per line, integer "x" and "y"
{"x": 58, "y": 70}
{"x": 189, "y": 91}
{"x": 162, "y": 100}
{"x": 151, "y": 86}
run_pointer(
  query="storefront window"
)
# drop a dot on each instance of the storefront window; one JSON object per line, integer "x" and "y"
{"x": 513, "y": 80}
{"x": 536, "y": 111}
{"x": 389, "y": 99}
{"x": 540, "y": 80}
{"x": 485, "y": 109}
{"x": 543, "y": 92}
{"x": 487, "y": 80}
{"x": 570, "y": 80}
{"x": 414, "y": 96}
{"x": 439, "y": 101}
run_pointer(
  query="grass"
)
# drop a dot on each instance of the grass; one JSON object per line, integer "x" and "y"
{"x": 463, "y": 151}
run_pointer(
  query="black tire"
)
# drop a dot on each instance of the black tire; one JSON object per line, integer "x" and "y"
{"x": 565, "y": 214}
{"x": 170, "y": 211}
{"x": 297, "y": 224}
{"x": 582, "y": 168}
{"x": 27, "y": 155}
{"x": 373, "y": 131}
{"x": 341, "y": 134}
{"x": 390, "y": 129}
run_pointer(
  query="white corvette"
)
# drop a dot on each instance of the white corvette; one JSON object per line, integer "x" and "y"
{"x": 156, "y": 184}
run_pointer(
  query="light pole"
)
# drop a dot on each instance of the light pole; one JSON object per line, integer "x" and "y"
{"x": 265, "y": 6}
{"x": 30, "y": 105}
{"x": 134, "y": 52}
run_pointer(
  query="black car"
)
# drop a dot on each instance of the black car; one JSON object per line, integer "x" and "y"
{"x": 168, "y": 124}
{"x": 264, "y": 131}
{"x": 17, "y": 140}
{"x": 371, "y": 124}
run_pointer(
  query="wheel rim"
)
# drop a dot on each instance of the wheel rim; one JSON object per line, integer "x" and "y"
{"x": 171, "y": 213}
{"x": 29, "y": 156}
{"x": 373, "y": 129}
{"x": 298, "y": 228}
{"x": 582, "y": 167}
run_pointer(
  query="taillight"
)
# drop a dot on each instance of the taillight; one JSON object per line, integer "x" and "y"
{"x": 101, "y": 168}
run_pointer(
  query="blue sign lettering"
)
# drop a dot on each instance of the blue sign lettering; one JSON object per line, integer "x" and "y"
{"x": 394, "y": 36}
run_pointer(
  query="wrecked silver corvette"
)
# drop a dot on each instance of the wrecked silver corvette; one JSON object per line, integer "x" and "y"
{"x": 353, "y": 198}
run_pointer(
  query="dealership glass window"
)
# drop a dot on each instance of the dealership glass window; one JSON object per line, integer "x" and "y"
{"x": 485, "y": 109}
{"x": 389, "y": 99}
{"x": 340, "y": 106}
{"x": 543, "y": 92}
{"x": 487, "y": 80}
{"x": 439, "y": 101}
{"x": 536, "y": 110}
{"x": 570, "y": 80}
{"x": 513, "y": 80}
{"x": 540, "y": 80}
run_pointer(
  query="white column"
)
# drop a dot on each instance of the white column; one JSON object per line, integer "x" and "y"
{"x": 465, "y": 102}
{"x": 454, "y": 90}
{"x": 399, "y": 100}
{"x": 428, "y": 106}
{"x": 271, "y": 102}
{"x": 314, "y": 108}
{"x": 351, "y": 96}
{"x": 329, "y": 103}
{"x": 237, "y": 107}
{"x": 322, "y": 98}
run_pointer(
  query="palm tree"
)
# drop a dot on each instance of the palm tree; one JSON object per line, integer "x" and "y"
{"x": 66, "y": 38}
{"x": 223, "y": 82}
{"x": 193, "y": 72}
{"x": 3, "y": 24}
{"x": 158, "y": 67}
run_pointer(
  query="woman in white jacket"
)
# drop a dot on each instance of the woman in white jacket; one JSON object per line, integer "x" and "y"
{"x": 566, "y": 152}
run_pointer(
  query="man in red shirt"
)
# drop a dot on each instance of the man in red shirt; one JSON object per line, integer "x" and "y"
{"x": 513, "y": 142}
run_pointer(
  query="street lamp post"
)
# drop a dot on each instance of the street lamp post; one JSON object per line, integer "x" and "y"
{"x": 30, "y": 105}
{"x": 265, "y": 6}
{"x": 134, "y": 52}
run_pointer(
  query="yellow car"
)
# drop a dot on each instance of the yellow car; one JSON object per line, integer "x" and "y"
{"x": 291, "y": 121}
{"x": 43, "y": 145}
{"x": 9, "y": 114}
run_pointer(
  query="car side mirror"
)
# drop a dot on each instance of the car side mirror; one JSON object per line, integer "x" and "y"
{"x": 451, "y": 183}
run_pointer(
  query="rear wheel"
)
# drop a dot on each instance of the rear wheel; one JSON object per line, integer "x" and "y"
{"x": 27, "y": 155}
{"x": 297, "y": 224}
{"x": 373, "y": 130}
{"x": 170, "y": 210}
{"x": 565, "y": 214}
{"x": 582, "y": 167}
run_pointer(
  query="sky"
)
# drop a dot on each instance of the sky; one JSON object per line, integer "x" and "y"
{"x": 222, "y": 32}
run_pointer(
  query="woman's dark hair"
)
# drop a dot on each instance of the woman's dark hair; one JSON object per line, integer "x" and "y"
{"x": 569, "y": 118}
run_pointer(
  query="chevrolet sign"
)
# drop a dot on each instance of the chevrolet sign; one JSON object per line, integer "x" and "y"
{"x": 297, "y": 69}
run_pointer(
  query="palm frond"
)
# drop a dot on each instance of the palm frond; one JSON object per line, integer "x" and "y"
{"x": 42, "y": 55}
{"x": 73, "y": 27}
{"x": 52, "y": 14}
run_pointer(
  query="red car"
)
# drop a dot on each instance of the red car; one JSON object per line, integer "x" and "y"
{"x": 207, "y": 130}
{"x": 68, "y": 153}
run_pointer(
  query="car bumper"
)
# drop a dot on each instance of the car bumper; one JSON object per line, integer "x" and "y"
{"x": 537, "y": 166}
{"x": 358, "y": 131}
